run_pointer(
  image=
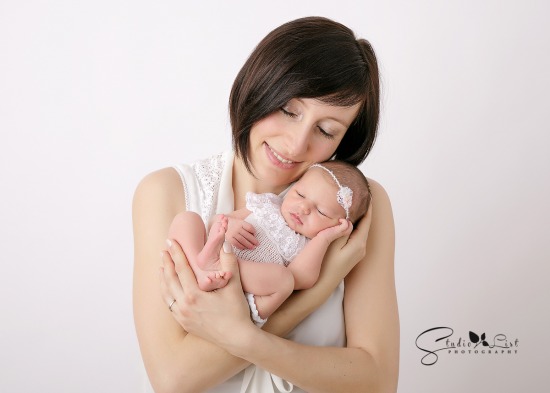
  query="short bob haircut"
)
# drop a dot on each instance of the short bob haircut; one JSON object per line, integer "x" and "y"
{"x": 311, "y": 57}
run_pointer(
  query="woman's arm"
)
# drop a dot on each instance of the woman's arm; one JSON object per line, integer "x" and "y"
{"x": 370, "y": 302}
{"x": 370, "y": 361}
{"x": 175, "y": 360}
{"x": 306, "y": 266}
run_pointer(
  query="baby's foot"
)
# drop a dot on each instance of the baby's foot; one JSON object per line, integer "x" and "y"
{"x": 212, "y": 280}
{"x": 209, "y": 258}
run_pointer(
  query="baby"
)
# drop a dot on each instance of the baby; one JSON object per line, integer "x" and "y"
{"x": 289, "y": 234}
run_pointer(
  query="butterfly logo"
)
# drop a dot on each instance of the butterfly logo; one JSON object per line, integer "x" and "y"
{"x": 478, "y": 339}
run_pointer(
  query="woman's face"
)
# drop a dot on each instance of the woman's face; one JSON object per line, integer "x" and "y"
{"x": 303, "y": 132}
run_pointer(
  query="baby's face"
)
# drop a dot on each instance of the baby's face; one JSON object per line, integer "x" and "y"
{"x": 310, "y": 205}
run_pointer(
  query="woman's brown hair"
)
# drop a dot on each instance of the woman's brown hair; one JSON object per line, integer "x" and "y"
{"x": 311, "y": 57}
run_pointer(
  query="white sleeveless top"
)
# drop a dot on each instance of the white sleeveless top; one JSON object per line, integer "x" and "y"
{"x": 208, "y": 191}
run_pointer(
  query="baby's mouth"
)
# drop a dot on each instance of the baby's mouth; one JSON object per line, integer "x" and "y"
{"x": 296, "y": 218}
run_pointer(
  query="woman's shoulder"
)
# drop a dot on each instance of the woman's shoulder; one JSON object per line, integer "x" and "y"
{"x": 162, "y": 187}
{"x": 377, "y": 189}
{"x": 169, "y": 180}
{"x": 379, "y": 193}
{"x": 382, "y": 213}
{"x": 165, "y": 180}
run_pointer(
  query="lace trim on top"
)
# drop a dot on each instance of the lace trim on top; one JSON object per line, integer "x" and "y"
{"x": 267, "y": 209}
{"x": 208, "y": 174}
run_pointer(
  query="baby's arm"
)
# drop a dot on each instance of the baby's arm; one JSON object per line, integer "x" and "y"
{"x": 270, "y": 283}
{"x": 240, "y": 233}
{"x": 305, "y": 267}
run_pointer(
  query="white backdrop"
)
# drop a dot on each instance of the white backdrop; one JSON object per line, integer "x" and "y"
{"x": 95, "y": 94}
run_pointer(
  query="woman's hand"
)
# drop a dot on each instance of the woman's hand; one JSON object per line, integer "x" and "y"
{"x": 345, "y": 252}
{"x": 341, "y": 257}
{"x": 222, "y": 316}
{"x": 330, "y": 234}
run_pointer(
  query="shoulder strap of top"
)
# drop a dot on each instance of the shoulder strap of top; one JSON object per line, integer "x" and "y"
{"x": 207, "y": 185}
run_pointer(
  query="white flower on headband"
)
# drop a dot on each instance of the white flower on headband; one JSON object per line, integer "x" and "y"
{"x": 344, "y": 196}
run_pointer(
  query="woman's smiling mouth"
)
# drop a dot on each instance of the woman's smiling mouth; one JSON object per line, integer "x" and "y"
{"x": 278, "y": 157}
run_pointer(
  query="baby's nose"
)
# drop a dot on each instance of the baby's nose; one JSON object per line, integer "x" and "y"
{"x": 305, "y": 208}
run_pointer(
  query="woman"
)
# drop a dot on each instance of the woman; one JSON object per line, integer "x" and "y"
{"x": 308, "y": 92}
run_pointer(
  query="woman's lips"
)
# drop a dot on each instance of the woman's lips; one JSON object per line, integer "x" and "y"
{"x": 277, "y": 159}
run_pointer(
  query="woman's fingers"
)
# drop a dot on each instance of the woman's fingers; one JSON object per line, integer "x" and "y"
{"x": 170, "y": 285}
{"x": 357, "y": 243}
{"x": 362, "y": 228}
{"x": 347, "y": 227}
{"x": 347, "y": 251}
{"x": 184, "y": 272}
{"x": 229, "y": 263}
{"x": 343, "y": 238}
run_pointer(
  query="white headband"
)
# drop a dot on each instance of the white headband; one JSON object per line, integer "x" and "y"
{"x": 344, "y": 195}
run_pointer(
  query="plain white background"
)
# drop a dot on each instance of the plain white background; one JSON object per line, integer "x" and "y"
{"x": 95, "y": 94}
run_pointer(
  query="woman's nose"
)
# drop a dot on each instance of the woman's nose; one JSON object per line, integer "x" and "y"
{"x": 297, "y": 141}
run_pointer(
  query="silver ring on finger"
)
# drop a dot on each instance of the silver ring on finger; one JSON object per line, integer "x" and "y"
{"x": 171, "y": 304}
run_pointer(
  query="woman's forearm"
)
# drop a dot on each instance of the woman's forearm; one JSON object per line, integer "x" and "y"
{"x": 180, "y": 362}
{"x": 329, "y": 369}
{"x": 193, "y": 365}
{"x": 175, "y": 361}
{"x": 370, "y": 361}
{"x": 337, "y": 263}
{"x": 186, "y": 364}
{"x": 302, "y": 303}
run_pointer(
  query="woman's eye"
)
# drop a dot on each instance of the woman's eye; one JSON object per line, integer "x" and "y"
{"x": 288, "y": 113}
{"x": 325, "y": 134}
{"x": 300, "y": 195}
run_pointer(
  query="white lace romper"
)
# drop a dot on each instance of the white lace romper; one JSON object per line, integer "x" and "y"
{"x": 278, "y": 243}
{"x": 208, "y": 191}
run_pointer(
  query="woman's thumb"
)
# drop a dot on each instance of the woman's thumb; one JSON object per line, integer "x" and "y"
{"x": 228, "y": 261}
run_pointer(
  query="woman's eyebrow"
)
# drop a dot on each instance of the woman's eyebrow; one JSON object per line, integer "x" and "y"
{"x": 301, "y": 101}
{"x": 339, "y": 122}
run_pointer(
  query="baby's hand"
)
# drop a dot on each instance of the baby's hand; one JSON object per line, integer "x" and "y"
{"x": 333, "y": 233}
{"x": 241, "y": 234}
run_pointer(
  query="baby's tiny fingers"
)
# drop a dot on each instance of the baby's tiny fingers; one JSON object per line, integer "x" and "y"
{"x": 249, "y": 227}
{"x": 249, "y": 237}
{"x": 244, "y": 241}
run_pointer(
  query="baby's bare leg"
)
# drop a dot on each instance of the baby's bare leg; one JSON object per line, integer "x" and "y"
{"x": 270, "y": 283}
{"x": 209, "y": 257}
{"x": 188, "y": 230}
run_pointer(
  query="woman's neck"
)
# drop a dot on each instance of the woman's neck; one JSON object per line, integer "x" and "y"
{"x": 244, "y": 181}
